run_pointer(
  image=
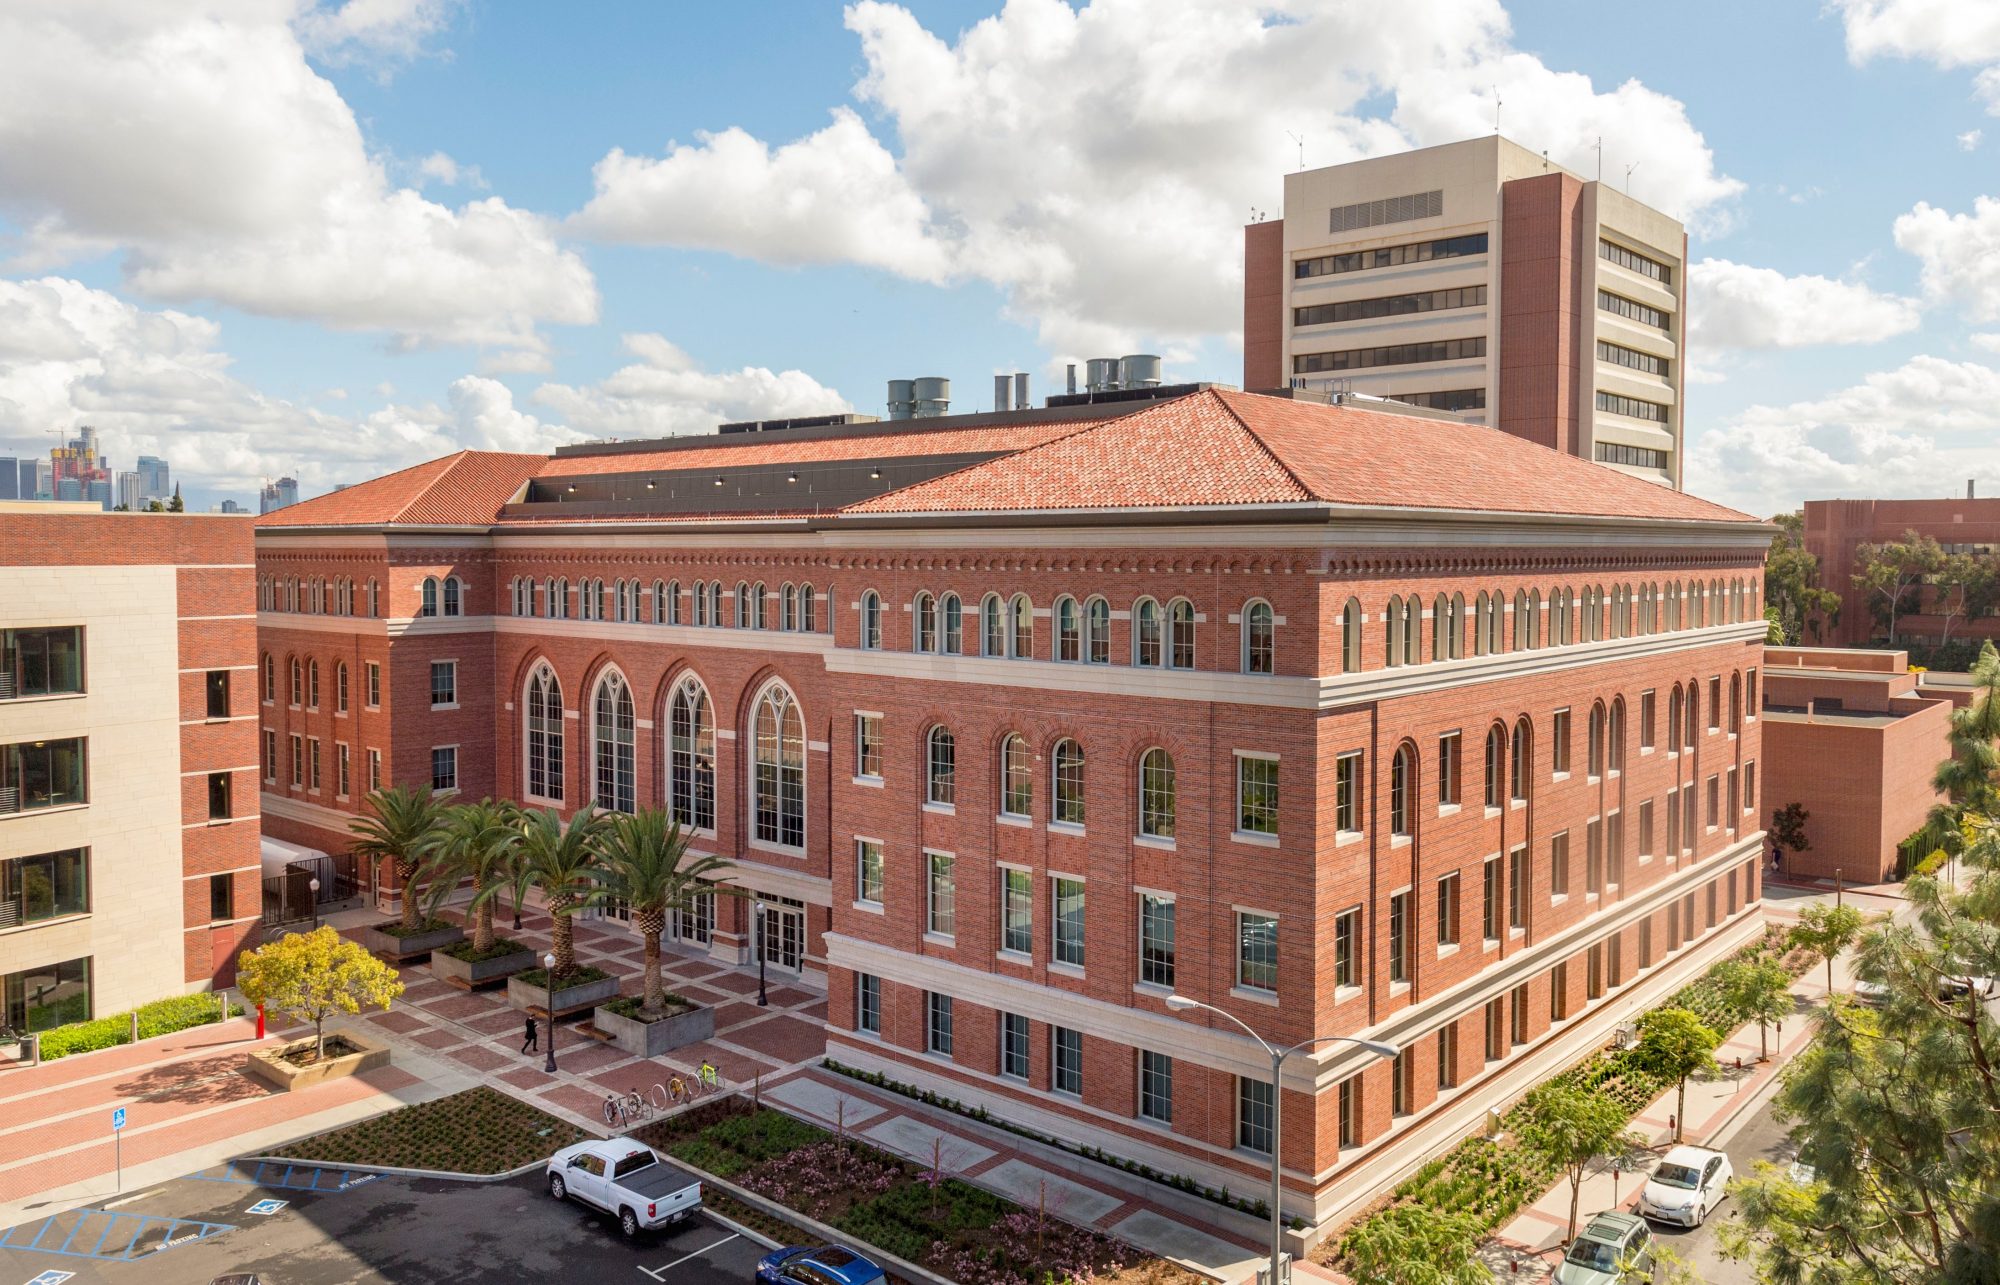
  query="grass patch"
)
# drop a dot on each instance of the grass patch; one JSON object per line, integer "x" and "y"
{"x": 161, "y": 1017}
{"x": 539, "y": 978}
{"x": 466, "y": 952}
{"x": 394, "y": 927}
{"x": 479, "y": 1131}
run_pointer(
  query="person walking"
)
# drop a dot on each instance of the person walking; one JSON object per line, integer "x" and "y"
{"x": 531, "y": 1041}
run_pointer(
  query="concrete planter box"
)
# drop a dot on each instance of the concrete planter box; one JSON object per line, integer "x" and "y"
{"x": 570, "y": 999}
{"x": 404, "y": 949}
{"x": 270, "y": 1066}
{"x": 484, "y": 972}
{"x": 650, "y": 1039}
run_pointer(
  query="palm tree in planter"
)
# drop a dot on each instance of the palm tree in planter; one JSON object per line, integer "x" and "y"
{"x": 647, "y": 866}
{"x": 479, "y": 842}
{"x": 404, "y": 828}
{"x": 562, "y": 860}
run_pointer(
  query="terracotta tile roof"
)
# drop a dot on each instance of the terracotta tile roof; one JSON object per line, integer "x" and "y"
{"x": 1217, "y": 448}
{"x": 745, "y": 450}
{"x": 466, "y": 489}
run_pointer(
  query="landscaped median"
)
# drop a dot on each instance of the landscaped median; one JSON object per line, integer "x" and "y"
{"x": 479, "y": 1132}
{"x": 162, "y": 1017}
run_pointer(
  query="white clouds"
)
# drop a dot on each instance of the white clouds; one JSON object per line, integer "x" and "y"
{"x": 204, "y": 145}
{"x": 1990, "y": 342}
{"x": 395, "y": 29}
{"x": 1950, "y": 33}
{"x": 442, "y": 168}
{"x": 1097, "y": 164}
{"x": 1734, "y": 305}
{"x": 1960, "y": 254}
{"x": 1920, "y": 429}
{"x": 665, "y": 393}
{"x": 1969, "y": 140}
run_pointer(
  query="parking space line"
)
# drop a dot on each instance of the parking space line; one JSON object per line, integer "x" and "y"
{"x": 658, "y": 1273}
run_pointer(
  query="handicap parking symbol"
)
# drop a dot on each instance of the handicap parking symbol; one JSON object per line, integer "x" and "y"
{"x": 51, "y": 1277}
{"x": 268, "y": 1206}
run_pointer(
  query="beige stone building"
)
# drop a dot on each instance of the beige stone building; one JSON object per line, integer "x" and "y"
{"x": 1480, "y": 278}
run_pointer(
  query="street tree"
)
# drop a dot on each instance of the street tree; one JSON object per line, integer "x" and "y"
{"x": 1675, "y": 1044}
{"x": 1803, "y": 607}
{"x": 563, "y": 862}
{"x": 311, "y": 976}
{"x": 1569, "y": 1128}
{"x": 403, "y": 825}
{"x": 1894, "y": 573}
{"x": 1788, "y": 828}
{"x": 1760, "y": 991}
{"x": 1415, "y": 1245}
{"x": 1826, "y": 930}
{"x": 646, "y": 864}
{"x": 479, "y": 842}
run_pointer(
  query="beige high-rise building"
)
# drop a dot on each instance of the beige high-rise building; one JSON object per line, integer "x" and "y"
{"x": 1480, "y": 278}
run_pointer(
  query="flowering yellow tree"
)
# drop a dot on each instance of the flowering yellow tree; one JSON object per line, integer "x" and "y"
{"x": 311, "y": 976}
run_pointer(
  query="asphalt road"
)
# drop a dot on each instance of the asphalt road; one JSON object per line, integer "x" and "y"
{"x": 409, "y": 1231}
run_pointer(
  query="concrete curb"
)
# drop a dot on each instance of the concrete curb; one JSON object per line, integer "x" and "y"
{"x": 394, "y": 1170}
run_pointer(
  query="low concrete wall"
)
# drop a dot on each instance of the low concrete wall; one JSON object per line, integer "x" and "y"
{"x": 415, "y": 946}
{"x": 445, "y": 965}
{"x": 270, "y": 1066}
{"x": 569, "y": 999}
{"x": 650, "y": 1039}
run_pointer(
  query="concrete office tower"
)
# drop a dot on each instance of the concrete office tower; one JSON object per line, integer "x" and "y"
{"x": 1480, "y": 278}
{"x": 128, "y": 745}
{"x": 10, "y": 478}
{"x": 102, "y": 491}
{"x": 37, "y": 480}
{"x": 154, "y": 480}
{"x": 129, "y": 492}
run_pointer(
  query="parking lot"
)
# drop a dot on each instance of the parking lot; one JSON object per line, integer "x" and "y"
{"x": 315, "y": 1225}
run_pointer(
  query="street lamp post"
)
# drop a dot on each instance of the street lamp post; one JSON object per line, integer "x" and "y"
{"x": 1181, "y": 1003}
{"x": 763, "y": 1000}
{"x": 549, "y": 976}
{"x": 314, "y": 885}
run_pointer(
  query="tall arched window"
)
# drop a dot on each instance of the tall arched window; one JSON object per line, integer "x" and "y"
{"x": 806, "y": 608}
{"x": 698, "y": 607}
{"x": 270, "y": 678}
{"x": 757, "y": 615}
{"x": 1524, "y": 750}
{"x": 1260, "y": 632}
{"x": 1674, "y": 719}
{"x": 691, "y": 756}
{"x": 545, "y": 735}
{"x": 374, "y": 599}
{"x": 298, "y": 682}
{"x": 951, "y": 614}
{"x": 1614, "y": 736}
{"x": 1017, "y": 777}
{"x": 940, "y": 767}
{"x": 673, "y": 608}
{"x": 715, "y": 603}
{"x": 428, "y": 603}
{"x": 1147, "y": 645}
{"x": 661, "y": 603}
{"x": 1392, "y": 632}
{"x": 788, "y": 608}
{"x": 1496, "y": 765}
{"x": 340, "y": 687}
{"x": 1069, "y": 630}
{"x": 1440, "y": 628}
{"x": 1156, "y": 794}
{"x": 454, "y": 596}
{"x": 1021, "y": 628}
{"x": 1481, "y": 606}
{"x": 611, "y": 745}
{"x": 742, "y": 605}
{"x": 1495, "y": 609}
{"x": 1595, "y": 758}
{"x": 1350, "y": 637}
{"x": 1735, "y": 704}
{"x": 779, "y": 770}
{"x": 1067, "y": 773}
{"x": 1097, "y": 631}
{"x": 926, "y": 613}
{"x": 1693, "y": 718}
{"x": 992, "y": 627}
{"x": 1413, "y": 630}
{"x": 1180, "y": 634}
{"x": 871, "y": 620}
{"x": 1402, "y": 787}
{"x": 312, "y": 684}
{"x": 1457, "y": 641}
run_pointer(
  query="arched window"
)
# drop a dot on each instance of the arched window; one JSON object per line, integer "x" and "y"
{"x": 1260, "y": 632}
{"x": 611, "y": 745}
{"x": 871, "y": 621}
{"x": 514, "y": 595}
{"x": 1534, "y": 619}
{"x": 1392, "y": 632}
{"x": 758, "y": 617}
{"x": 1614, "y": 736}
{"x": 661, "y": 603}
{"x": 1457, "y": 642}
{"x": 544, "y": 735}
{"x": 1413, "y": 630}
{"x": 1021, "y": 627}
{"x": 1523, "y": 755}
{"x": 586, "y": 600}
{"x": 1147, "y": 644}
{"x": 742, "y": 605}
{"x": 1156, "y": 794}
{"x": 699, "y": 605}
{"x": 1067, "y": 771}
{"x": 631, "y": 612}
{"x": 1481, "y": 606}
{"x": 1402, "y": 789}
{"x": 788, "y": 608}
{"x": 1735, "y": 704}
{"x": 552, "y": 597}
{"x": 1017, "y": 777}
{"x": 1440, "y": 628}
{"x": 1495, "y": 610}
{"x": 1097, "y": 631}
{"x": 617, "y": 600}
{"x": 952, "y": 614}
{"x": 1350, "y": 637}
{"x": 715, "y": 603}
{"x": 1595, "y": 759}
{"x": 992, "y": 627}
{"x": 673, "y": 616}
{"x": 1693, "y": 717}
{"x": 454, "y": 596}
{"x": 428, "y": 606}
{"x": 1559, "y": 617}
{"x": 691, "y": 756}
{"x": 298, "y": 682}
{"x": 1496, "y": 765}
{"x": 940, "y": 767}
{"x": 1180, "y": 634}
{"x": 926, "y": 613}
{"x": 340, "y": 687}
{"x": 1069, "y": 630}
{"x": 270, "y": 678}
{"x": 806, "y": 608}
{"x": 779, "y": 770}
{"x": 1674, "y": 718}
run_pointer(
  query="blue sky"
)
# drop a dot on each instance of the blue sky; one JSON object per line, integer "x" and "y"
{"x": 331, "y": 239}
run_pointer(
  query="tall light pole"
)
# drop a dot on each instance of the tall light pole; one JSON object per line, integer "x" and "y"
{"x": 549, "y": 976}
{"x": 313, "y": 884}
{"x": 763, "y": 1000}
{"x": 1180, "y": 1004}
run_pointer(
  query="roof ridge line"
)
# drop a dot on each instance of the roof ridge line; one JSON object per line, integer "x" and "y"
{"x": 1090, "y": 427}
{"x": 451, "y": 462}
{"x": 1265, "y": 446}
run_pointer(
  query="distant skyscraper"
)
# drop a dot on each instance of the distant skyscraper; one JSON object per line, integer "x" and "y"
{"x": 230, "y": 506}
{"x": 276, "y": 495}
{"x": 38, "y": 480}
{"x": 153, "y": 481}
{"x": 129, "y": 491}
{"x": 10, "y": 478}
{"x": 69, "y": 489}
{"x": 103, "y": 491}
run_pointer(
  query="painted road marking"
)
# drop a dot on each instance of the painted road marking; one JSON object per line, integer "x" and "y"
{"x": 659, "y": 1273}
{"x": 113, "y": 1204}
{"x": 277, "y": 1175}
{"x": 267, "y": 1206}
{"x": 73, "y": 1234}
{"x": 51, "y": 1277}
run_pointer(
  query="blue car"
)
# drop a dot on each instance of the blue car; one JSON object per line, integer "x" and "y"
{"x": 822, "y": 1265}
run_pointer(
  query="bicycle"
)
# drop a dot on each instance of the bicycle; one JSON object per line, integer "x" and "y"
{"x": 614, "y": 1110}
{"x": 704, "y": 1082}
{"x": 636, "y": 1106}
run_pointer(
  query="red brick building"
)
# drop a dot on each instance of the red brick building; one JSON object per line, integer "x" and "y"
{"x": 1016, "y": 724}
{"x": 1835, "y": 530}
{"x": 128, "y": 732}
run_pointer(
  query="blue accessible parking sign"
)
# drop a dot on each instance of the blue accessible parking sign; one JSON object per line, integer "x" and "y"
{"x": 118, "y": 1118}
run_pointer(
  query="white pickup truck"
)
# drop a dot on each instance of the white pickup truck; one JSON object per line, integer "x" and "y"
{"x": 625, "y": 1178}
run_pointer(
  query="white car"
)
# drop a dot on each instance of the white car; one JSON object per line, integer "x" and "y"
{"x": 1688, "y": 1183}
{"x": 624, "y": 1178}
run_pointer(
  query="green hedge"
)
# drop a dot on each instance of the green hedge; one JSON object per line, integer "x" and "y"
{"x": 161, "y": 1017}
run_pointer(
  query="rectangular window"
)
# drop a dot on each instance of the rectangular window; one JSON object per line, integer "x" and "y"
{"x": 1517, "y": 888}
{"x": 1448, "y": 769}
{"x": 1645, "y": 828}
{"x": 1447, "y": 910}
{"x": 1489, "y": 915}
{"x": 374, "y": 693}
{"x": 1066, "y": 1047}
{"x": 218, "y": 796}
{"x": 298, "y": 763}
{"x": 1750, "y": 787}
{"x": 52, "y": 885}
{"x": 1634, "y": 456}
{"x": 1729, "y": 813}
{"x": 868, "y": 746}
{"x": 444, "y": 768}
{"x": 1253, "y": 1114}
{"x": 1632, "y": 310}
{"x": 43, "y": 774}
{"x": 1496, "y": 1031}
{"x": 270, "y": 756}
{"x": 1399, "y": 305}
{"x": 1714, "y": 801}
{"x": 1632, "y": 359}
{"x": 1687, "y": 817}
{"x": 1448, "y": 1056}
{"x": 1350, "y": 1110}
{"x": 1399, "y": 1083}
{"x": 1399, "y": 937}
{"x": 1256, "y": 795}
{"x": 1347, "y": 948}
{"x": 1156, "y": 1087}
{"x": 868, "y": 1003}
{"x": 1517, "y": 1014}
{"x": 941, "y": 913}
{"x": 1614, "y": 956}
{"x": 1646, "y": 720}
{"x": 1559, "y": 992}
{"x": 340, "y": 768}
{"x": 1645, "y": 943}
{"x": 36, "y": 999}
{"x": 1559, "y": 864}
{"x": 1635, "y": 262}
{"x": 1593, "y": 861}
{"x": 1256, "y": 951}
{"x": 42, "y": 662}
{"x": 937, "y": 1024}
{"x": 340, "y": 688}
{"x": 444, "y": 683}
{"x": 1390, "y": 256}
{"x": 1347, "y": 792}
{"x": 216, "y": 688}
{"x": 1156, "y": 940}
{"x": 220, "y": 899}
{"x": 1559, "y": 742}
{"x": 1593, "y": 982}
{"x": 312, "y": 764}
{"x": 1014, "y": 1046}
{"x": 1066, "y": 899}
{"x": 868, "y": 871}
{"x": 1715, "y": 700}
{"x": 374, "y": 770}
{"x": 1390, "y": 355}
{"x": 1634, "y": 408}
{"x": 1614, "y": 850}
{"x": 1017, "y": 912}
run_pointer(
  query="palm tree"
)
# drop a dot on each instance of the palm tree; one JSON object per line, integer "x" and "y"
{"x": 477, "y": 842}
{"x": 403, "y": 829}
{"x": 562, "y": 861}
{"x": 646, "y": 865}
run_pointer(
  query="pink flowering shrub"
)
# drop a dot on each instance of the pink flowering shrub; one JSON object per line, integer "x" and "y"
{"x": 813, "y": 1175}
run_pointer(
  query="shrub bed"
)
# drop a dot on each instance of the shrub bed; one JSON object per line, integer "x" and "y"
{"x": 394, "y": 927}
{"x": 941, "y": 1223}
{"x": 629, "y": 1005}
{"x": 479, "y": 1131}
{"x": 539, "y": 977}
{"x": 500, "y": 949}
{"x": 161, "y": 1017}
